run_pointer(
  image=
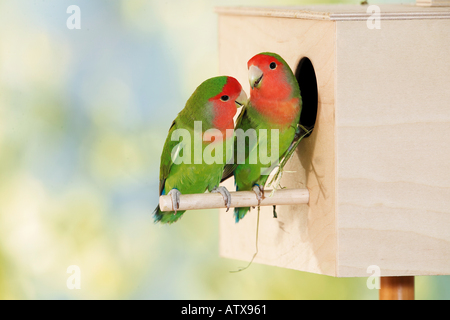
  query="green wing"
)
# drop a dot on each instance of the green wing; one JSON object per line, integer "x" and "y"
{"x": 242, "y": 122}
{"x": 166, "y": 157}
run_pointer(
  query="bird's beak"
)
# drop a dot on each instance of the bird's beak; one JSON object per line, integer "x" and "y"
{"x": 255, "y": 76}
{"x": 241, "y": 100}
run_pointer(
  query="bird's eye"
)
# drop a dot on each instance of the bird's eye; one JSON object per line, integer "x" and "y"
{"x": 224, "y": 98}
{"x": 273, "y": 65}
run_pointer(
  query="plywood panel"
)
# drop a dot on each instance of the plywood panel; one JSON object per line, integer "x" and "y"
{"x": 393, "y": 163}
{"x": 433, "y": 3}
{"x": 303, "y": 237}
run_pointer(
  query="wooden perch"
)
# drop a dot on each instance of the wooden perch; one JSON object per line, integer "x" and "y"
{"x": 238, "y": 199}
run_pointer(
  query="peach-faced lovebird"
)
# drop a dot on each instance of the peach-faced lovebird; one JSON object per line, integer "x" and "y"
{"x": 196, "y": 164}
{"x": 275, "y": 103}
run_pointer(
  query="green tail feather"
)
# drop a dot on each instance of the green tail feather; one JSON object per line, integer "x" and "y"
{"x": 166, "y": 217}
{"x": 240, "y": 213}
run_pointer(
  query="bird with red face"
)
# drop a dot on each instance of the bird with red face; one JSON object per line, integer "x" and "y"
{"x": 212, "y": 105}
{"x": 275, "y": 103}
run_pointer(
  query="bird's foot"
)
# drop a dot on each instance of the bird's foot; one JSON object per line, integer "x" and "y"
{"x": 225, "y": 194}
{"x": 259, "y": 193}
{"x": 175, "y": 195}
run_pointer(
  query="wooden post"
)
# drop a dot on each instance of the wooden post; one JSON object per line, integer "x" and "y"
{"x": 397, "y": 288}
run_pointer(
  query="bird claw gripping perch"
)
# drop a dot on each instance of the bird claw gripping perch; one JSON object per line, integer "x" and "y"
{"x": 259, "y": 193}
{"x": 225, "y": 194}
{"x": 175, "y": 195}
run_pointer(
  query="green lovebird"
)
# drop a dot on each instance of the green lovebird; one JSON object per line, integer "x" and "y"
{"x": 275, "y": 103}
{"x": 205, "y": 129}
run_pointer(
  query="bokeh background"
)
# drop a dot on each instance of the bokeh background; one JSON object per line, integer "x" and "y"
{"x": 83, "y": 119}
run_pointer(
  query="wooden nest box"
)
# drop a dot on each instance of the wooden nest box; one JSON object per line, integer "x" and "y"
{"x": 377, "y": 164}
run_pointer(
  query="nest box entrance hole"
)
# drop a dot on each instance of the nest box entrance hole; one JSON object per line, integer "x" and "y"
{"x": 306, "y": 78}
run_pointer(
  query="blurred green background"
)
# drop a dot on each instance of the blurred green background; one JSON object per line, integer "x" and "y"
{"x": 83, "y": 118}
